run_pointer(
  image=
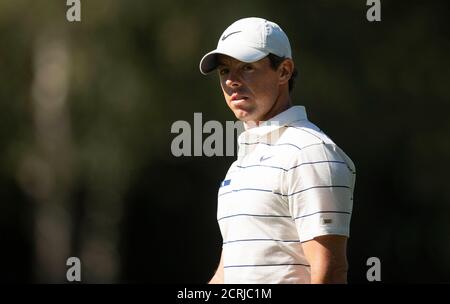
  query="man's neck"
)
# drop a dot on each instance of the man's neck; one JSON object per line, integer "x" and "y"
{"x": 282, "y": 104}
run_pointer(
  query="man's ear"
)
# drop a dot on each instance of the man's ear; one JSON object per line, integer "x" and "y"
{"x": 285, "y": 70}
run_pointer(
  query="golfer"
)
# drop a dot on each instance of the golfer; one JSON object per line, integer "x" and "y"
{"x": 285, "y": 205}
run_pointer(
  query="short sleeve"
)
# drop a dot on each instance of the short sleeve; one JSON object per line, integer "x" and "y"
{"x": 319, "y": 190}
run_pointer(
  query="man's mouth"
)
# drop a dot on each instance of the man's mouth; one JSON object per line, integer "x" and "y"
{"x": 235, "y": 97}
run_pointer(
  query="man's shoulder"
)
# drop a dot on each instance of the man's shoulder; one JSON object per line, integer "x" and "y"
{"x": 304, "y": 133}
{"x": 314, "y": 145}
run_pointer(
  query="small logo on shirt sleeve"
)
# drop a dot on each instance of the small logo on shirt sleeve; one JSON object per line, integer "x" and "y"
{"x": 326, "y": 221}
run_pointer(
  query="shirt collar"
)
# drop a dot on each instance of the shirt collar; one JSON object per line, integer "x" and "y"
{"x": 285, "y": 118}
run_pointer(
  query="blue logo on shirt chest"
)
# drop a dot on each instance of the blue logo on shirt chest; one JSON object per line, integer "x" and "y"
{"x": 225, "y": 183}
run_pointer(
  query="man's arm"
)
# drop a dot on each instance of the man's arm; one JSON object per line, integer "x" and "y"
{"x": 327, "y": 256}
{"x": 218, "y": 276}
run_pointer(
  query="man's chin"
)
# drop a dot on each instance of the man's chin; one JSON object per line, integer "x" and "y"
{"x": 243, "y": 115}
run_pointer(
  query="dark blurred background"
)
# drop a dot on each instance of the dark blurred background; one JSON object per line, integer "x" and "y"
{"x": 86, "y": 110}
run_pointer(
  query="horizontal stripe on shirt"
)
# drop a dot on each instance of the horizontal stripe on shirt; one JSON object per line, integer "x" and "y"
{"x": 254, "y": 215}
{"x": 283, "y": 144}
{"x": 261, "y": 240}
{"x": 310, "y": 133}
{"x": 276, "y": 193}
{"x": 266, "y": 265}
{"x": 340, "y": 212}
{"x": 302, "y": 164}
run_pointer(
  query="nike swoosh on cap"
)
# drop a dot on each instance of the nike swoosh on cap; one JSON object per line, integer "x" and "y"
{"x": 226, "y": 36}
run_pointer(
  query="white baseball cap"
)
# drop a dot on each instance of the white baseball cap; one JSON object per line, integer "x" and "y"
{"x": 248, "y": 40}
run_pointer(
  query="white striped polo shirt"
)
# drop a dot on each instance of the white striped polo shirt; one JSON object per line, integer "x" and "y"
{"x": 290, "y": 183}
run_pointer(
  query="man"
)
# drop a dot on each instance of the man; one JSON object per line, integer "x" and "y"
{"x": 284, "y": 207}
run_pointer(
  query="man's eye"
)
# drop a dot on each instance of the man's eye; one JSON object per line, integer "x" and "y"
{"x": 223, "y": 71}
{"x": 248, "y": 68}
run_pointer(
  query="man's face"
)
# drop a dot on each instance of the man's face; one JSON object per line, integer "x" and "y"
{"x": 251, "y": 90}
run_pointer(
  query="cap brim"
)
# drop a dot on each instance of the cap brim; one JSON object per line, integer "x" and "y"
{"x": 242, "y": 53}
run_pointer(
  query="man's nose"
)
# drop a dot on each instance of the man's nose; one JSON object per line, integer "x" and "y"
{"x": 233, "y": 80}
